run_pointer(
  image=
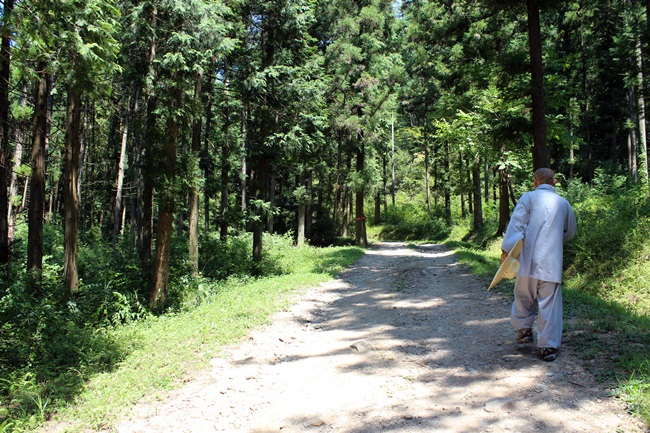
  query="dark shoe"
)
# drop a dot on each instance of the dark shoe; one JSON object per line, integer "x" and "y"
{"x": 525, "y": 336}
{"x": 548, "y": 354}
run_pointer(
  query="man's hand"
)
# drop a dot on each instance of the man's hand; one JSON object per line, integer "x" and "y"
{"x": 503, "y": 256}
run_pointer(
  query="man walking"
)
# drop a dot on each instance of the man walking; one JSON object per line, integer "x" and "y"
{"x": 544, "y": 221}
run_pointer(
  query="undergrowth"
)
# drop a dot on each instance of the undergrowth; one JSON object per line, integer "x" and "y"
{"x": 84, "y": 358}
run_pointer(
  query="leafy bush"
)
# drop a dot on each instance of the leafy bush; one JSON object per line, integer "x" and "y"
{"x": 412, "y": 222}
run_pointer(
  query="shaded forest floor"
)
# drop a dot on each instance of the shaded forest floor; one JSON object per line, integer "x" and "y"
{"x": 404, "y": 341}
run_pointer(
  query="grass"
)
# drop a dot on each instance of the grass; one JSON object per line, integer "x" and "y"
{"x": 159, "y": 353}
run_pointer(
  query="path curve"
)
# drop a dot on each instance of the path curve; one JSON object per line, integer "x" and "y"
{"x": 404, "y": 341}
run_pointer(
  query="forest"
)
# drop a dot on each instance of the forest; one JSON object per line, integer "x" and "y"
{"x": 153, "y": 150}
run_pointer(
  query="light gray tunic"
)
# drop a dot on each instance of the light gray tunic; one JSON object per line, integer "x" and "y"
{"x": 544, "y": 220}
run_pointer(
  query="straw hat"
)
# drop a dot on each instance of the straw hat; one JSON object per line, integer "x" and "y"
{"x": 510, "y": 265}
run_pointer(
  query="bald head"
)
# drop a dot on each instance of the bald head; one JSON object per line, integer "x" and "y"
{"x": 544, "y": 176}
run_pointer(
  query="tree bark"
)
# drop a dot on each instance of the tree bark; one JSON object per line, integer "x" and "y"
{"x": 37, "y": 184}
{"x": 504, "y": 205}
{"x": 427, "y": 175}
{"x": 119, "y": 183}
{"x": 148, "y": 184}
{"x": 478, "y": 207}
{"x": 5, "y": 75}
{"x": 361, "y": 237}
{"x": 71, "y": 199}
{"x": 17, "y": 160}
{"x": 244, "y": 149}
{"x": 392, "y": 158}
{"x": 193, "y": 236}
{"x": 540, "y": 148}
{"x": 166, "y": 204}
{"x": 643, "y": 141}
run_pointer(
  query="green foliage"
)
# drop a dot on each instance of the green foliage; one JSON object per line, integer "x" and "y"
{"x": 50, "y": 357}
{"x": 412, "y": 222}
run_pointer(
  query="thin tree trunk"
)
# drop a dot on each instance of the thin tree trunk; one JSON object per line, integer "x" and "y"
{"x": 270, "y": 221}
{"x": 149, "y": 141}
{"x": 478, "y": 208}
{"x": 244, "y": 147}
{"x": 5, "y": 75}
{"x": 392, "y": 157}
{"x": 463, "y": 212}
{"x": 206, "y": 153}
{"x": 504, "y": 205}
{"x": 308, "y": 207}
{"x": 540, "y": 148}
{"x": 643, "y": 142}
{"x": 193, "y": 236}
{"x": 361, "y": 237}
{"x": 446, "y": 188}
{"x": 631, "y": 137}
{"x": 37, "y": 184}
{"x": 346, "y": 211}
{"x": 119, "y": 183}
{"x": 148, "y": 185}
{"x": 17, "y": 161}
{"x": 300, "y": 234}
{"x": 259, "y": 180}
{"x": 427, "y": 176}
{"x": 338, "y": 187}
{"x": 71, "y": 203}
{"x": 378, "y": 208}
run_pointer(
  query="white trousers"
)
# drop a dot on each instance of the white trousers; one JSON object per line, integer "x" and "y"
{"x": 545, "y": 298}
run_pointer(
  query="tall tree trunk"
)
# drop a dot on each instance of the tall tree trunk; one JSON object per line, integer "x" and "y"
{"x": 446, "y": 188}
{"x": 378, "y": 208}
{"x": 206, "y": 152}
{"x": 259, "y": 185}
{"x": 361, "y": 236}
{"x": 300, "y": 234}
{"x": 540, "y": 148}
{"x": 193, "y": 237}
{"x": 244, "y": 149}
{"x": 427, "y": 175}
{"x": 338, "y": 187}
{"x": 71, "y": 199}
{"x": 392, "y": 157}
{"x": 37, "y": 184}
{"x": 148, "y": 184}
{"x": 17, "y": 161}
{"x": 166, "y": 204}
{"x": 504, "y": 205}
{"x": 346, "y": 211}
{"x": 119, "y": 183}
{"x": 5, "y": 60}
{"x": 145, "y": 250}
{"x": 478, "y": 208}
{"x": 308, "y": 207}
{"x": 270, "y": 221}
{"x": 643, "y": 141}
{"x": 631, "y": 136}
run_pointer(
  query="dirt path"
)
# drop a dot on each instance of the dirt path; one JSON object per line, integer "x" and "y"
{"x": 405, "y": 341}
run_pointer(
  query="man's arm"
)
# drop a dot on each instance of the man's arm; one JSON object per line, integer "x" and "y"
{"x": 570, "y": 225}
{"x": 515, "y": 230}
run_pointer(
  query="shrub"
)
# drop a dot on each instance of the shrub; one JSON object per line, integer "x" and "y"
{"x": 412, "y": 222}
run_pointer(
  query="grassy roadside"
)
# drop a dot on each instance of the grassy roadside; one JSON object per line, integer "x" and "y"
{"x": 159, "y": 353}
